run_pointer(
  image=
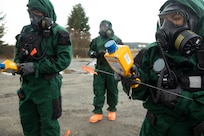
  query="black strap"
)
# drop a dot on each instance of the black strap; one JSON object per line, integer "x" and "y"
{"x": 151, "y": 118}
{"x": 185, "y": 82}
{"x": 49, "y": 76}
{"x": 199, "y": 129}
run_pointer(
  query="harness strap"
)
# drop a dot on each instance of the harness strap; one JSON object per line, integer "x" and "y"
{"x": 151, "y": 118}
{"x": 49, "y": 76}
{"x": 199, "y": 129}
{"x": 192, "y": 82}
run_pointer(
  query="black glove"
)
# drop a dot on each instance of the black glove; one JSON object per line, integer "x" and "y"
{"x": 170, "y": 99}
{"x": 117, "y": 76}
{"x": 26, "y": 68}
{"x": 93, "y": 54}
{"x": 133, "y": 78}
{"x": 130, "y": 80}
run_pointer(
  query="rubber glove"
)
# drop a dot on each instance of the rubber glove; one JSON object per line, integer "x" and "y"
{"x": 93, "y": 54}
{"x": 26, "y": 68}
{"x": 132, "y": 79}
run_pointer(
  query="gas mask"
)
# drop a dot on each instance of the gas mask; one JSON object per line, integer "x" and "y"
{"x": 39, "y": 22}
{"x": 105, "y": 30}
{"x": 36, "y": 20}
{"x": 175, "y": 30}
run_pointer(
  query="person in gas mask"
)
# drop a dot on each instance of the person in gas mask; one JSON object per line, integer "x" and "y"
{"x": 43, "y": 49}
{"x": 170, "y": 73}
{"x": 103, "y": 83}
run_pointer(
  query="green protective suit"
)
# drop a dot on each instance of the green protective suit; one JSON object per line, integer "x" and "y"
{"x": 40, "y": 92}
{"x": 186, "y": 114}
{"x": 104, "y": 83}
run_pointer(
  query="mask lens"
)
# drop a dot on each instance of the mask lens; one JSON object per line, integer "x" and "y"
{"x": 103, "y": 27}
{"x": 35, "y": 12}
{"x": 177, "y": 19}
{"x": 36, "y": 18}
{"x": 160, "y": 22}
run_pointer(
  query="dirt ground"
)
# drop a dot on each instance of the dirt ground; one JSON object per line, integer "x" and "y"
{"x": 77, "y": 98}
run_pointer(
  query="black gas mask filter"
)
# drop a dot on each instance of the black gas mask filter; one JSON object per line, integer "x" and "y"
{"x": 179, "y": 37}
{"x": 47, "y": 24}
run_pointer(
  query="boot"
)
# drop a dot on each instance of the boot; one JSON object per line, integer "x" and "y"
{"x": 95, "y": 118}
{"x": 67, "y": 133}
{"x": 112, "y": 116}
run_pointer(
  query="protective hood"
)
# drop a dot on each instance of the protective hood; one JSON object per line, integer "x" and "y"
{"x": 197, "y": 6}
{"x": 44, "y": 6}
{"x": 108, "y": 23}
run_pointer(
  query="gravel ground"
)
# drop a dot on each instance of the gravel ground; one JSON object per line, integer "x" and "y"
{"x": 77, "y": 97}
